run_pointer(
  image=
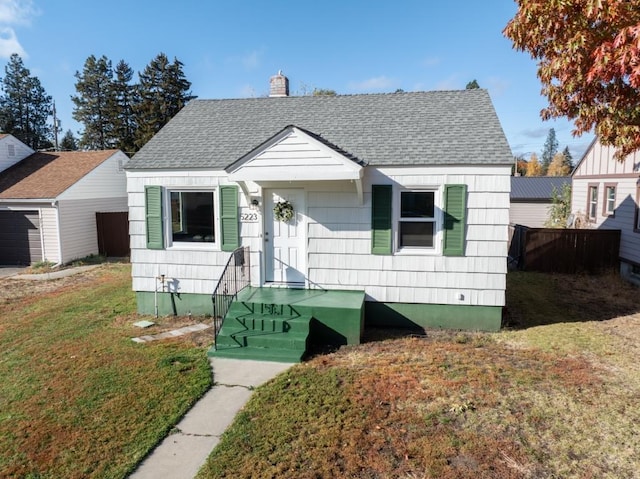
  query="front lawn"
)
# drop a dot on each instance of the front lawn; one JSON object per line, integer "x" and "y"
{"x": 556, "y": 396}
{"x": 78, "y": 398}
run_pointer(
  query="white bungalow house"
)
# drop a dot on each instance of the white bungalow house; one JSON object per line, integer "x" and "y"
{"x": 401, "y": 199}
{"x": 605, "y": 194}
{"x": 49, "y": 200}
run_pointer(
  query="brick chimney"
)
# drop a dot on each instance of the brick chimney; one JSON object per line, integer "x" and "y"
{"x": 278, "y": 85}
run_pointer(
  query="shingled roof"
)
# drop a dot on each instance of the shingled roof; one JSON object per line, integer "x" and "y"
{"x": 46, "y": 175}
{"x": 404, "y": 129}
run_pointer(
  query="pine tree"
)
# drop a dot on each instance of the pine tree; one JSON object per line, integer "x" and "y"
{"x": 68, "y": 142}
{"x": 472, "y": 85}
{"x": 568, "y": 159}
{"x": 125, "y": 98}
{"x": 163, "y": 91}
{"x": 95, "y": 103}
{"x": 550, "y": 149}
{"x": 25, "y": 107}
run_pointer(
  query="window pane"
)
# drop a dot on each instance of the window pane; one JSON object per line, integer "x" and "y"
{"x": 416, "y": 234}
{"x": 611, "y": 199}
{"x": 593, "y": 202}
{"x": 416, "y": 204}
{"x": 192, "y": 216}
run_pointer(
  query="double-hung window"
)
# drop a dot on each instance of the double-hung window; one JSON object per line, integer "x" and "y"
{"x": 592, "y": 205}
{"x": 609, "y": 206}
{"x": 192, "y": 216}
{"x": 417, "y": 221}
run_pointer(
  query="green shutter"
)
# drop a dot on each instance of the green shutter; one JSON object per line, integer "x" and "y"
{"x": 455, "y": 212}
{"x": 381, "y": 236}
{"x": 229, "y": 231}
{"x": 153, "y": 216}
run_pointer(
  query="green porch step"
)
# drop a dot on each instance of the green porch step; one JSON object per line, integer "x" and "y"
{"x": 281, "y": 324}
{"x": 259, "y": 354}
{"x": 263, "y": 337}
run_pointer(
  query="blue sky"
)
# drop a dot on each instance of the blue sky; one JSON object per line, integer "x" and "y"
{"x": 231, "y": 48}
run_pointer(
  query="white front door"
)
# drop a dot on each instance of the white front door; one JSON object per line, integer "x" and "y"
{"x": 284, "y": 241}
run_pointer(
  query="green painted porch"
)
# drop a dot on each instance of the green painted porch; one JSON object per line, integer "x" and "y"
{"x": 283, "y": 324}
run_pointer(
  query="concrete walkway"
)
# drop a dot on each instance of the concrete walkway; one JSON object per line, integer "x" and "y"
{"x": 181, "y": 454}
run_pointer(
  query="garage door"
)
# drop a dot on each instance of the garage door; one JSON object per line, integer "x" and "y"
{"x": 20, "y": 237}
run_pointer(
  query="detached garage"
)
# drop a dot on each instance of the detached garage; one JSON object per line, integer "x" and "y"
{"x": 49, "y": 201}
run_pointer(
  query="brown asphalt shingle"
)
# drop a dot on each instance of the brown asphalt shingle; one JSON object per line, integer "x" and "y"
{"x": 46, "y": 175}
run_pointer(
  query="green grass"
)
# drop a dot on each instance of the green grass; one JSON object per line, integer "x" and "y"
{"x": 78, "y": 398}
{"x": 554, "y": 395}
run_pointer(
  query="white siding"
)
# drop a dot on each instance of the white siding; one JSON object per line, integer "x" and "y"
{"x": 49, "y": 228}
{"x": 78, "y": 230}
{"x": 12, "y": 151}
{"x": 339, "y": 239}
{"x": 533, "y": 215}
{"x": 107, "y": 180}
{"x": 296, "y": 155}
{"x": 194, "y": 268}
{"x": 599, "y": 168}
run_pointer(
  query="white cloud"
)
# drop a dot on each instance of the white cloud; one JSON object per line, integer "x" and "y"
{"x": 247, "y": 91}
{"x": 373, "y": 84}
{"x": 9, "y": 43}
{"x": 16, "y": 11}
{"x": 496, "y": 85}
{"x": 451, "y": 83}
{"x": 252, "y": 60}
{"x": 430, "y": 62}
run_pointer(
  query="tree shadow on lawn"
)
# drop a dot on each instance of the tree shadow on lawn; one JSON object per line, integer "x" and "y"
{"x": 536, "y": 299}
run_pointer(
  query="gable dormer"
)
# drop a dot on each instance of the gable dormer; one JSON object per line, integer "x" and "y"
{"x": 12, "y": 151}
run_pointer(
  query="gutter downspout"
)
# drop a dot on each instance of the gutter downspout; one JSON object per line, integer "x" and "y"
{"x": 55, "y": 205}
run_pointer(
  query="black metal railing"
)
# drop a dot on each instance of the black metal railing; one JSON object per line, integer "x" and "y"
{"x": 235, "y": 277}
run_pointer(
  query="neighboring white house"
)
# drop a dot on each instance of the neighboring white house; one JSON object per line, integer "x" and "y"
{"x": 531, "y": 198}
{"x": 404, "y": 196}
{"x": 605, "y": 194}
{"x": 49, "y": 200}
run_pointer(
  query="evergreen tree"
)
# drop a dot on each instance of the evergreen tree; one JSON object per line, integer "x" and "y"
{"x": 568, "y": 159}
{"x": 95, "y": 103}
{"x": 125, "y": 98}
{"x": 472, "y": 85}
{"x": 163, "y": 91}
{"x": 550, "y": 149}
{"x": 68, "y": 142}
{"x": 25, "y": 107}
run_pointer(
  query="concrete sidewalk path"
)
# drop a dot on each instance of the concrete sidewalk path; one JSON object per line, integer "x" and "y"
{"x": 183, "y": 453}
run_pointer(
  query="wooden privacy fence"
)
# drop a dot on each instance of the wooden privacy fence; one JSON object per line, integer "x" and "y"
{"x": 564, "y": 250}
{"x": 113, "y": 234}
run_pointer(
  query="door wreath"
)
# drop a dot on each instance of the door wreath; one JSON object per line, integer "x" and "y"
{"x": 283, "y": 211}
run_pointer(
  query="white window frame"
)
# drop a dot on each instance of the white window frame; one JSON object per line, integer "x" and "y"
{"x": 436, "y": 220}
{"x": 592, "y": 202}
{"x": 168, "y": 225}
{"x": 609, "y": 202}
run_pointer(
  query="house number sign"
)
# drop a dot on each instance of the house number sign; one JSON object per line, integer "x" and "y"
{"x": 249, "y": 217}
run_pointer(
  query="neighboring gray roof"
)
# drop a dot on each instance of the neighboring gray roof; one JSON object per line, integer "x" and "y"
{"x": 536, "y": 187}
{"x": 421, "y": 128}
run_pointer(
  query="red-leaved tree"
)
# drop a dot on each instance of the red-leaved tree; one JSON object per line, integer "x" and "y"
{"x": 588, "y": 54}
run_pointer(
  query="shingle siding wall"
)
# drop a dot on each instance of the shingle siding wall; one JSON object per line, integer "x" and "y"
{"x": 338, "y": 229}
